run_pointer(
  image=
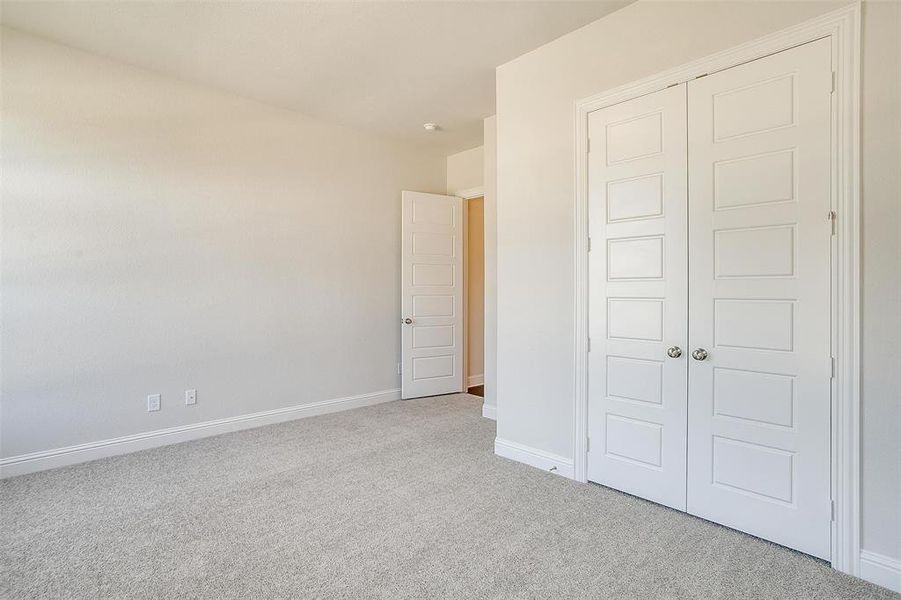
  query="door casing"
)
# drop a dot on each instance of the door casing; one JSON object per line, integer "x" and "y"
{"x": 842, "y": 28}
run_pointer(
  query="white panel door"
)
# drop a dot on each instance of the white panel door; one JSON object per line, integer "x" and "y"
{"x": 431, "y": 295}
{"x": 759, "y": 247}
{"x": 637, "y": 298}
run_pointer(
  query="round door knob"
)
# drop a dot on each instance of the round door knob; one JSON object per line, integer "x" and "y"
{"x": 699, "y": 354}
{"x": 408, "y": 321}
{"x": 674, "y": 352}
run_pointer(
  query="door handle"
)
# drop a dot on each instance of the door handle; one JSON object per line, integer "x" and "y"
{"x": 674, "y": 352}
{"x": 699, "y": 354}
{"x": 407, "y": 321}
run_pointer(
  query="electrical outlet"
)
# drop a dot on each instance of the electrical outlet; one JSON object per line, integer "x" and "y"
{"x": 190, "y": 397}
{"x": 400, "y": 368}
{"x": 153, "y": 402}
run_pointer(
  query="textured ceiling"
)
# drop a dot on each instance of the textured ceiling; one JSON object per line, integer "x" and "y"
{"x": 386, "y": 67}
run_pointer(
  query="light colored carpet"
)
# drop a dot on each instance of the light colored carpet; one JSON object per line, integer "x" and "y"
{"x": 400, "y": 500}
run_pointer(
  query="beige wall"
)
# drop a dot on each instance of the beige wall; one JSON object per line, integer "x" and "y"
{"x": 881, "y": 283}
{"x": 159, "y": 236}
{"x": 465, "y": 170}
{"x": 475, "y": 286}
{"x": 535, "y": 156}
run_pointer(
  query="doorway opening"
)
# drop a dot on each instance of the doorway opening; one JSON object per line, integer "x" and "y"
{"x": 474, "y": 294}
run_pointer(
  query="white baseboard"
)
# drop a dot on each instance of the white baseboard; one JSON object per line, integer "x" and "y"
{"x": 489, "y": 411}
{"x": 534, "y": 457}
{"x": 881, "y": 570}
{"x": 70, "y": 455}
{"x": 475, "y": 380}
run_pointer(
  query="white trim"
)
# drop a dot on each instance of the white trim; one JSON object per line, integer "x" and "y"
{"x": 469, "y": 194}
{"x": 475, "y": 380}
{"x": 489, "y": 411}
{"x": 464, "y": 372}
{"x": 881, "y": 570}
{"x": 69, "y": 455}
{"x": 846, "y": 455}
{"x": 842, "y": 27}
{"x": 534, "y": 457}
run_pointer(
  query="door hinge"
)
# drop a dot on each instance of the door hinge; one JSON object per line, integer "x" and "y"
{"x": 833, "y": 83}
{"x": 589, "y": 144}
{"x": 832, "y": 368}
{"x": 832, "y": 510}
{"x": 589, "y": 243}
{"x": 587, "y": 444}
{"x": 833, "y": 218}
{"x": 589, "y": 344}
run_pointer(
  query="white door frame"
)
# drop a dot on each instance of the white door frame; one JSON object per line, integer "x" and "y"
{"x": 842, "y": 27}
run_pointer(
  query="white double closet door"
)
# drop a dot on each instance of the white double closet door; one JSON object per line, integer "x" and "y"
{"x": 710, "y": 367}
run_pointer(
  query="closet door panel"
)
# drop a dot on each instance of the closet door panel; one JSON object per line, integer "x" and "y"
{"x": 637, "y": 305}
{"x": 759, "y": 248}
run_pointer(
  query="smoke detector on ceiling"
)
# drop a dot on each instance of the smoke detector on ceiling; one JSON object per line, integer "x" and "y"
{"x": 431, "y": 126}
